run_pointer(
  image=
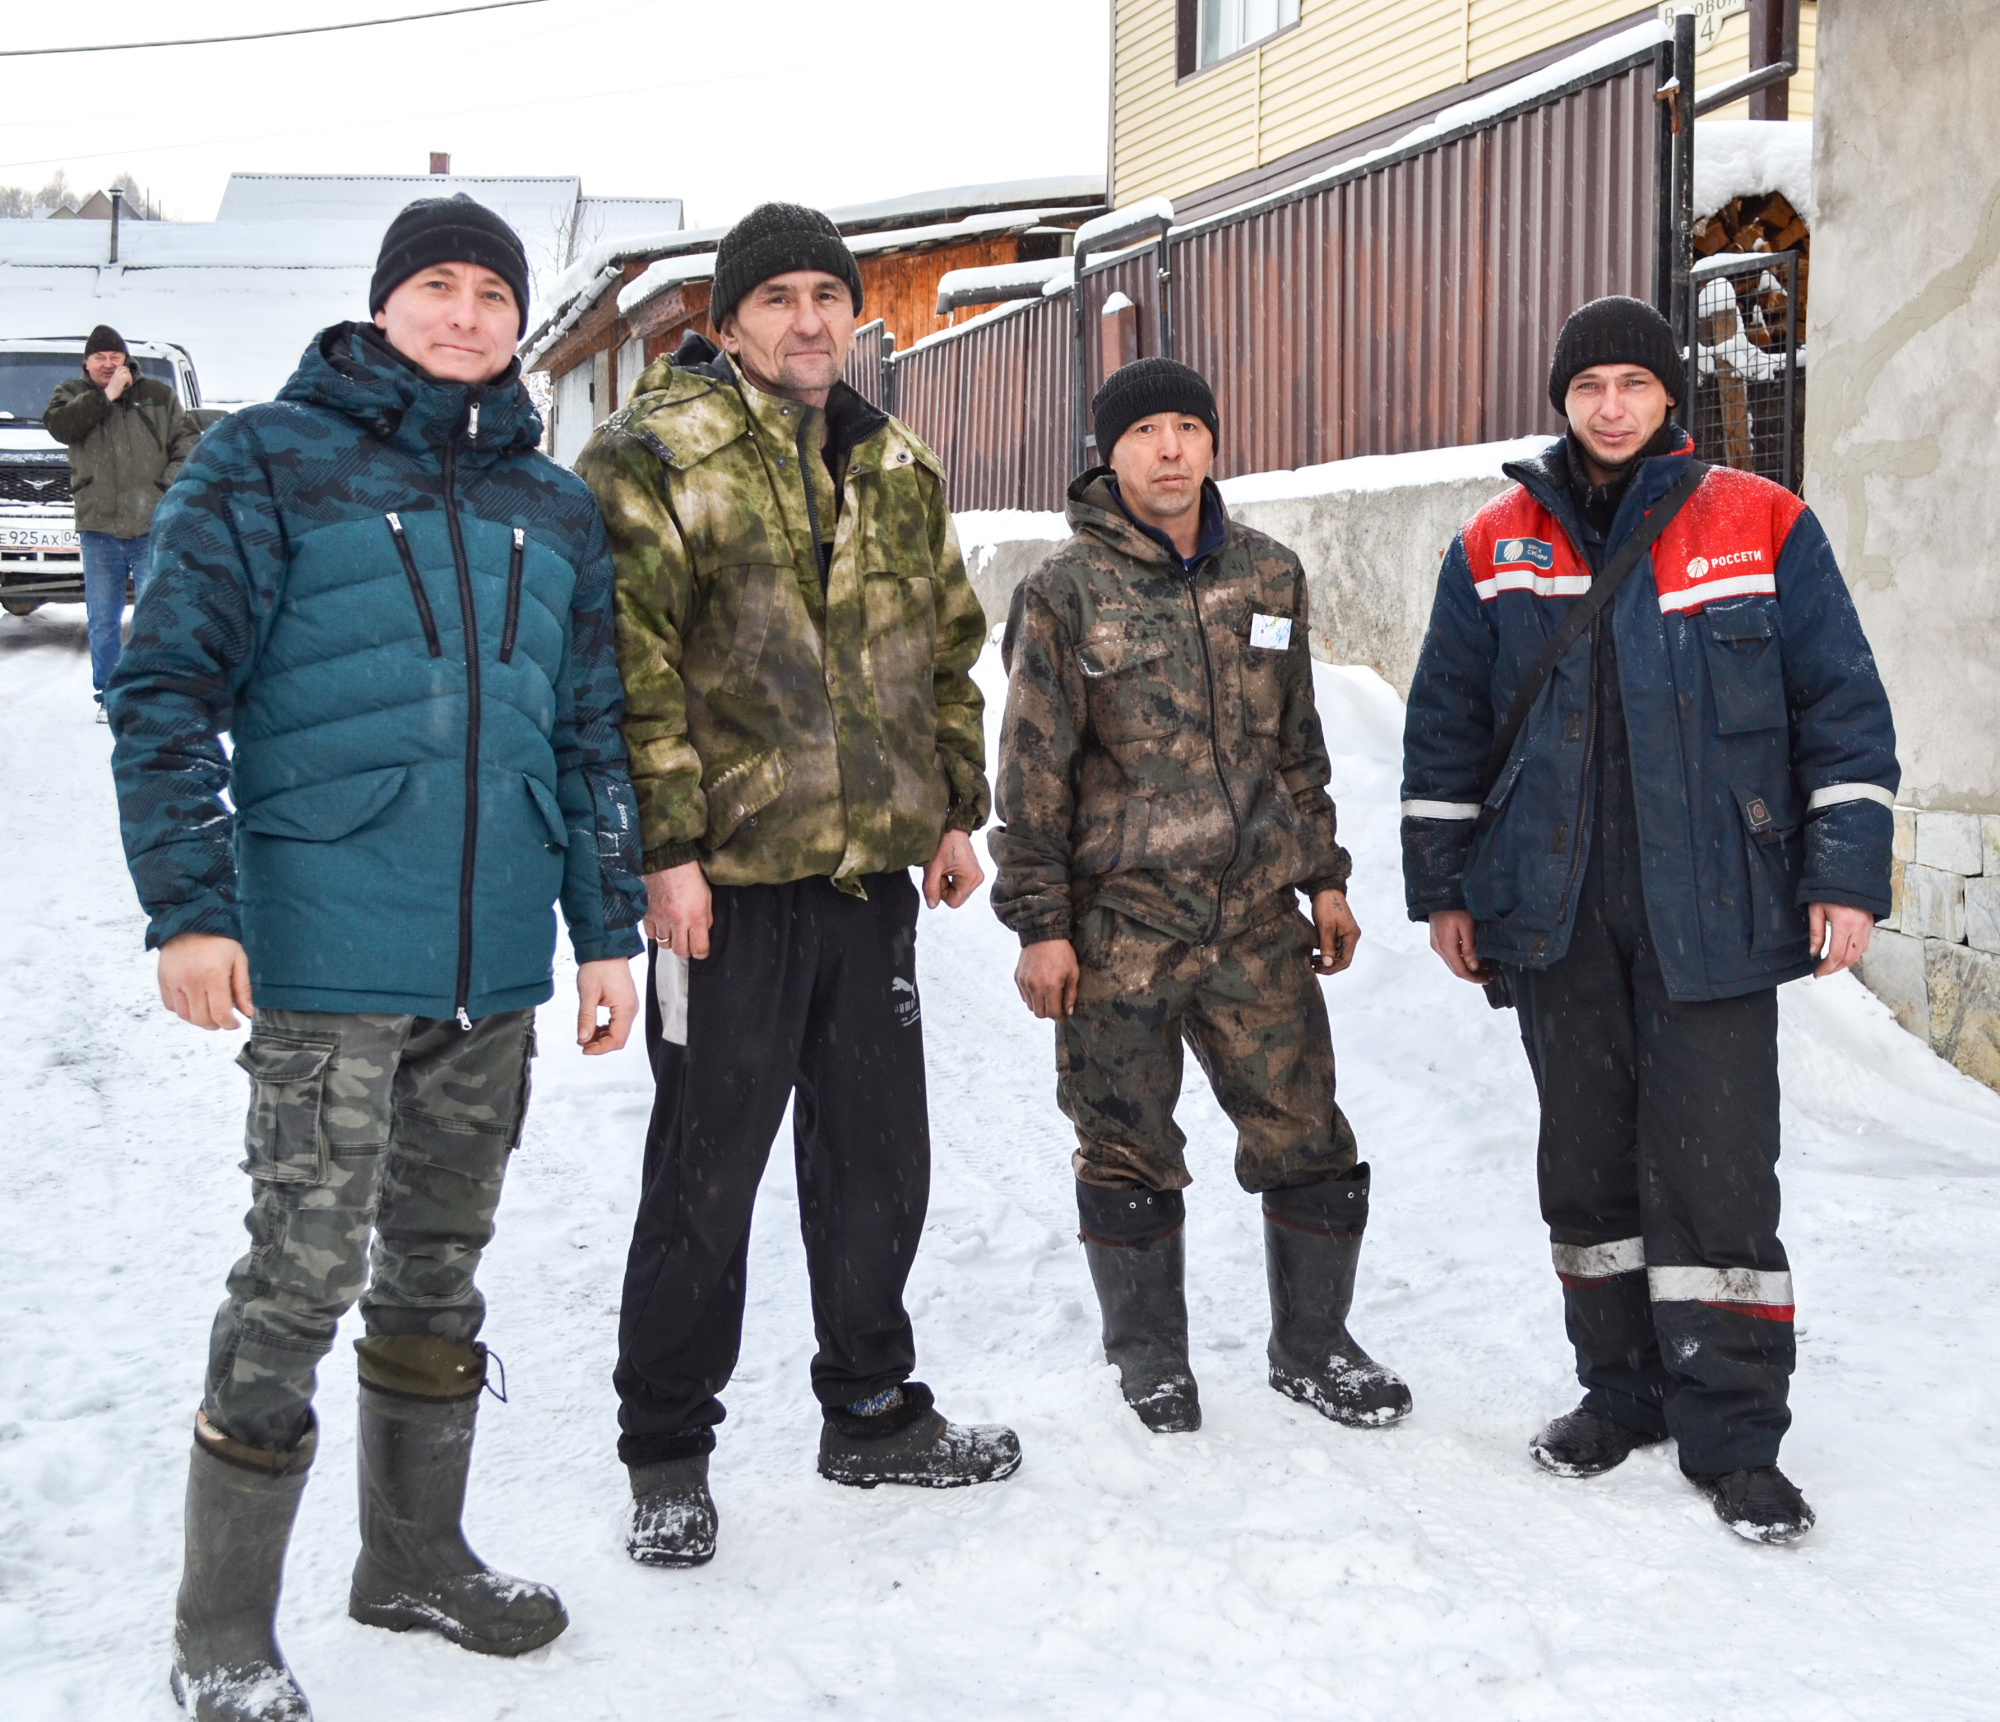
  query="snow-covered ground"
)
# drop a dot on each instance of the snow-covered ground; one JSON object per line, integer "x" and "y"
{"x": 1271, "y": 1566}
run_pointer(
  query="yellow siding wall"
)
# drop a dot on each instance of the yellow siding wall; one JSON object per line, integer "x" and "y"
{"x": 1347, "y": 62}
{"x": 1730, "y": 58}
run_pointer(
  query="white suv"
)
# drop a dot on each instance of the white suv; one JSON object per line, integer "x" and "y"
{"x": 41, "y": 560}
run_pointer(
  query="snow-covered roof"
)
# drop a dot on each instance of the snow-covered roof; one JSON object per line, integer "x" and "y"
{"x": 668, "y": 272}
{"x": 954, "y": 203}
{"x": 1749, "y": 158}
{"x": 295, "y": 244}
{"x": 527, "y": 204}
{"x": 611, "y": 218}
{"x": 1015, "y": 280}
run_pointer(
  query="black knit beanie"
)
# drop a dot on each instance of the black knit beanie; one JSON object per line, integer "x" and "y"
{"x": 105, "y": 339}
{"x": 1616, "y": 331}
{"x": 1148, "y": 386}
{"x": 449, "y": 230}
{"x": 776, "y": 239}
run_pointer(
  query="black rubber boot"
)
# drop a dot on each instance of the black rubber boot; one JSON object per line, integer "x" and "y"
{"x": 1761, "y": 1504}
{"x": 419, "y": 1400}
{"x": 673, "y": 1514}
{"x": 241, "y": 1503}
{"x": 1312, "y": 1244}
{"x": 911, "y": 1443}
{"x": 1135, "y": 1244}
{"x": 1580, "y": 1443}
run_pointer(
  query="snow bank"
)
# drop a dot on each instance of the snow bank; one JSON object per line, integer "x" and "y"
{"x": 1273, "y": 1568}
{"x": 1744, "y": 158}
{"x": 1383, "y": 471}
{"x": 1008, "y": 526}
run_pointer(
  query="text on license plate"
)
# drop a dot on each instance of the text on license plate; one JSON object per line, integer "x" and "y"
{"x": 38, "y": 538}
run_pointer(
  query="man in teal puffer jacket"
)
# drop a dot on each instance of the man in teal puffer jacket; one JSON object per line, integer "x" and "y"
{"x": 400, "y": 612}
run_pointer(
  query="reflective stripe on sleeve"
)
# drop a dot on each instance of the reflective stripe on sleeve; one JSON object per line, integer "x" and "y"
{"x": 1835, "y": 793}
{"x": 1441, "y": 810}
{"x": 1585, "y": 1262}
{"x": 1749, "y": 1291}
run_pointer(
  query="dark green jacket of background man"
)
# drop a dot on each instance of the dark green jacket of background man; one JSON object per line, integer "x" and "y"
{"x": 788, "y": 716}
{"x": 1160, "y": 753}
{"x": 122, "y": 454}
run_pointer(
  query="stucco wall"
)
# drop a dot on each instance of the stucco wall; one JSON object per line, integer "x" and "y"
{"x": 1371, "y": 559}
{"x": 1903, "y": 430}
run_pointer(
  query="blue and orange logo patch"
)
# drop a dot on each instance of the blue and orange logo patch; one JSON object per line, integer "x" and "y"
{"x": 1524, "y": 553}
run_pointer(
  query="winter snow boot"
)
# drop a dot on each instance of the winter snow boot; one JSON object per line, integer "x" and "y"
{"x": 1312, "y": 1244}
{"x": 1137, "y": 1251}
{"x": 419, "y": 1398}
{"x": 907, "y": 1441}
{"x": 241, "y": 1502}
{"x": 673, "y": 1514}
{"x": 1580, "y": 1443}
{"x": 1761, "y": 1504}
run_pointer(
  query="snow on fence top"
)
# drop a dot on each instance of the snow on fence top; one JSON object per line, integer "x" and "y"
{"x": 1159, "y": 209}
{"x": 1743, "y": 158}
{"x": 1038, "y": 272}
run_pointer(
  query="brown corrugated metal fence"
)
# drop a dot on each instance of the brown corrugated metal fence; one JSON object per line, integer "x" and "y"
{"x": 1408, "y": 305}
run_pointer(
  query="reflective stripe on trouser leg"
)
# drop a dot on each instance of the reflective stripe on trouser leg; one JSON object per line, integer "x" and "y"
{"x": 1609, "y": 1320}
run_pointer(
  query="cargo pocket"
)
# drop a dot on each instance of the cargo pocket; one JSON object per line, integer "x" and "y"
{"x": 742, "y": 792}
{"x": 551, "y": 811}
{"x": 1127, "y": 702}
{"x": 1262, "y": 669}
{"x": 1774, "y": 849}
{"x": 284, "y": 1140}
{"x": 1746, "y": 667}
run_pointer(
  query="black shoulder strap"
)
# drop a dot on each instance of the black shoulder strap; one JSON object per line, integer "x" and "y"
{"x": 1585, "y": 611}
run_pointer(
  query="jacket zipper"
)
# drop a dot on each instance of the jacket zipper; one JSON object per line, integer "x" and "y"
{"x": 416, "y": 586}
{"x": 1215, "y": 753}
{"x": 470, "y": 848}
{"x": 513, "y": 593}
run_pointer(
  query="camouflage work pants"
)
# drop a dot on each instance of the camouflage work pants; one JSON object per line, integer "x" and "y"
{"x": 376, "y": 1146}
{"x": 1251, "y": 1009}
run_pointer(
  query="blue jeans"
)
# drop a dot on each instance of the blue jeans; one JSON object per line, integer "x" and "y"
{"x": 107, "y": 563}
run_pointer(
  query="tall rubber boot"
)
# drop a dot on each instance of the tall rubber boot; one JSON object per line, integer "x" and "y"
{"x": 1135, "y": 1244}
{"x": 419, "y": 1400}
{"x": 1312, "y": 1244}
{"x": 241, "y": 1504}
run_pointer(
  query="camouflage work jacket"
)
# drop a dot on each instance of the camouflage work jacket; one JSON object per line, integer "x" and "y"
{"x": 123, "y": 454}
{"x": 1160, "y": 753}
{"x": 791, "y": 711}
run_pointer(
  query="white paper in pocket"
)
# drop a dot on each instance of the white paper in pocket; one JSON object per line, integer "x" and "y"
{"x": 1270, "y": 633}
{"x": 670, "y": 983}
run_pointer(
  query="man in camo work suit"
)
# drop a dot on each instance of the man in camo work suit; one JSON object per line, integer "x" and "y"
{"x": 400, "y": 612}
{"x": 1162, "y": 808}
{"x": 796, "y": 633}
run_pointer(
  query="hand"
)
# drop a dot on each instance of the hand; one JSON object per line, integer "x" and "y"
{"x": 954, "y": 872}
{"x": 201, "y": 976}
{"x": 1838, "y": 933}
{"x": 607, "y": 982}
{"x": 1338, "y": 932}
{"x": 1046, "y": 976}
{"x": 1451, "y": 938}
{"x": 679, "y": 910}
{"x": 121, "y": 380}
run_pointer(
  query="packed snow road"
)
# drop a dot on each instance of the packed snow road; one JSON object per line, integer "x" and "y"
{"x": 1271, "y": 1566}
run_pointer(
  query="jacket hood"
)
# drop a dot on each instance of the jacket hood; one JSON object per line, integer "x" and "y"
{"x": 349, "y": 369}
{"x": 1094, "y": 509}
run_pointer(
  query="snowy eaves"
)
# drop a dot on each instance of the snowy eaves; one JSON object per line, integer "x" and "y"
{"x": 1750, "y": 158}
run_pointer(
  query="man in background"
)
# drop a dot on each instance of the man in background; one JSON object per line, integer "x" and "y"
{"x": 127, "y": 437}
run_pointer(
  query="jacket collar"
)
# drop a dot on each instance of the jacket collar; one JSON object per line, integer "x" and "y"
{"x": 1097, "y": 508}
{"x": 349, "y": 369}
{"x": 1545, "y": 477}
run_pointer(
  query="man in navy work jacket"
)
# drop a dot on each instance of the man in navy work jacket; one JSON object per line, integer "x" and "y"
{"x": 1695, "y": 811}
{"x": 401, "y": 614}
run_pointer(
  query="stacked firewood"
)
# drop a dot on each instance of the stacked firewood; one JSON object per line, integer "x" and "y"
{"x": 1765, "y": 222}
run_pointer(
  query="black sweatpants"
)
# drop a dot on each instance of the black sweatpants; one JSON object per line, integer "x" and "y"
{"x": 1658, "y": 1168}
{"x": 807, "y": 995}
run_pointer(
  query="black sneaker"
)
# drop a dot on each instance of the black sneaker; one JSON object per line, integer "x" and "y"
{"x": 911, "y": 1443}
{"x": 1761, "y": 1504}
{"x": 1580, "y": 1443}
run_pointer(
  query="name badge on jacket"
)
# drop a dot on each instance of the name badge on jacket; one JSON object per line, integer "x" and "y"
{"x": 1270, "y": 633}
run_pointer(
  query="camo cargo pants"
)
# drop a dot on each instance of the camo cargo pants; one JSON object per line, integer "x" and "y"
{"x": 1251, "y": 1009}
{"x": 395, "y": 1129}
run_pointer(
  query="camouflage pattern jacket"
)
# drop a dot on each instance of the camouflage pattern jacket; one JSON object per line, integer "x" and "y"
{"x": 122, "y": 454}
{"x": 789, "y": 714}
{"x": 400, "y": 612}
{"x": 1160, "y": 753}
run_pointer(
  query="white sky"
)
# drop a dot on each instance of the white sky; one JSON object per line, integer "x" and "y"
{"x": 721, "y": 102}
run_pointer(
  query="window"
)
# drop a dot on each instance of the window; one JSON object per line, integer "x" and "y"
{"x": 1225, "y": 27}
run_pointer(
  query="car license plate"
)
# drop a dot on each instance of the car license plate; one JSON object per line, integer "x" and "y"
{"x": 38, "y": 538}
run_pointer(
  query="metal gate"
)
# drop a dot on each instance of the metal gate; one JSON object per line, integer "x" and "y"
{"x": 1748, "y": 374}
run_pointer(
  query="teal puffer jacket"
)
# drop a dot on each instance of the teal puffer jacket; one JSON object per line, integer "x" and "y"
{"x": 400, "y": 612}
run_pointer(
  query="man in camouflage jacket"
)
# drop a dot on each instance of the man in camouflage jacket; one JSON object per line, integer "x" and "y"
{"x": 796, "y": 634}
{"x": 1163, "y": 805}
